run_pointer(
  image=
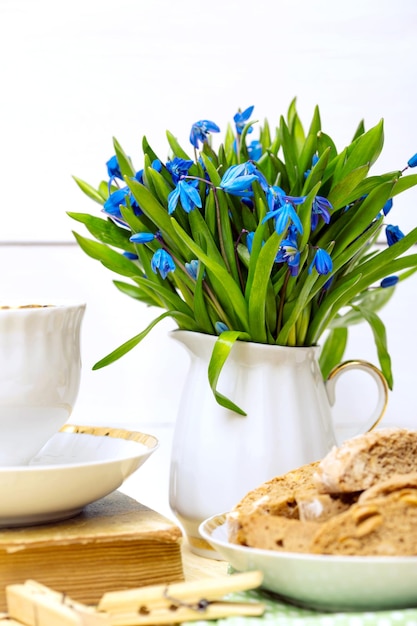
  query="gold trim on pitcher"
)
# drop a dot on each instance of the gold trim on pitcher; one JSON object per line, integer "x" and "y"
{"x": 355, "y": 363}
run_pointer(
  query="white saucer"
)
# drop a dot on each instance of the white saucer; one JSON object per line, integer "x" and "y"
{"x": 77, "y": 466}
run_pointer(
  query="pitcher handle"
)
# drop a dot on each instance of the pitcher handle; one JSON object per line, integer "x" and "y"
{"x": 381, "y": 383}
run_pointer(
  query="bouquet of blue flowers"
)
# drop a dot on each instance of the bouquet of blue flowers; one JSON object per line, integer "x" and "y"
{"x": 274, "y": 240}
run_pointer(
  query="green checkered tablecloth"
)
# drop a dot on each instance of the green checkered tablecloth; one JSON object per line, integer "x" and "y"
{"x": 278, "y": 613}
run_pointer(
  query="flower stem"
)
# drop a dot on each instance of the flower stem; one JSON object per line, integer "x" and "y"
{"x": 219, "y": 229}
{"x": 282, "y": 300}
{"x": 222, "y": 315}
{"x": 239, "y": 269}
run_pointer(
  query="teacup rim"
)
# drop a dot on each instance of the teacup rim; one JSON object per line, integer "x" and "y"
{"x": 25, "y": 306}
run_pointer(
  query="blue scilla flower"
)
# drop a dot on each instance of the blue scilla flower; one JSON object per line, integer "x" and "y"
{"x": 285, "y": 215}
{"x": 220, "y": 327}
{"x": 241, "y": 118}
{"x": 249, "y": 241}
{"x": 131, "y": 256}
{"x": 314, "y": 160}
{"x": 255, "y": 150}
{"x": 162, "y": 262}
{"x": 187, "y": 194}
{"x": 321, "y": 208}
{"x": 113, "y": 168}
{"x": 114, "y": 201}
{"x": 142, "y": 237}
{"x": 252, "y": 169}
{"x": 288, "y": 251}
{"x": 192, "y": 268}
{"x": 139, "y": 176}
{"x": 237, "y": 181}
{"x": 413, "y": 161}
{"x": 200, "y": 131}
{"x": 389, "y": 281}
{"x": 178, "y": 168}
{"x": 276, "y": 198}
{"x": 393, "y": 234}
{"x": 322, "y": 262}
{"x": 387, "y": 207}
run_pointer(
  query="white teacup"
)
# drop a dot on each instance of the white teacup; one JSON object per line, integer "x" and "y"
{"x": 40, "y": 370}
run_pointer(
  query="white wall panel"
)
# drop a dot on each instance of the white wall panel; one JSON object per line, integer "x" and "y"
{"x": 76, "y": 72}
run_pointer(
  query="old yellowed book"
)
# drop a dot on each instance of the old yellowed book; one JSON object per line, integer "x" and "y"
{"x": 114, "y": 544}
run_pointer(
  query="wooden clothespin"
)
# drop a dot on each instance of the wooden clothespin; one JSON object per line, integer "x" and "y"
{"x": 181, "y": 602}
{"x": 33, "y": 604}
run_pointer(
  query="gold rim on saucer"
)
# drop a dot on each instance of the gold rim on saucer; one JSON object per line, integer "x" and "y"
{"x": 117, "y": 433}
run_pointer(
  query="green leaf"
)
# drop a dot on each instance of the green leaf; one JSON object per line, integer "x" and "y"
{"x": 265, "y": 135}
{"x": 316, "y": 174}
{"x": 290, "y": 155}
{"x": 201, "y": 314}
{"x": 176, "y": 148}
{"x": 259, "y": 287}
{"x": 371, "y": 299}
{"x": 404, "y": 183}
{"x": 89, "y": 191}
{"x": 202, "y": 235}
{"x": 310, "y": 146}
{"x": 137, "y": 293}
{"x": 225, "y": 234}
{"x": 329, "y": 307}
{"x": 132, "y": 343}
{"x": 162, "y": 188}
{"x": 125, "y": 163}
{"x": 363, "y": 151}
{"x": 104, "y": 190}
{"x": 243, "y": 151}
{"x": 356, "y": 220}
{"x": 380, "y": 338}
{"x": 229, "y": 142}
{"x": 221, "y": 351}
{"x": 370, "y": 183}
{"x": 359, "y": 130}
{"x": 111, "y": 259}
{"x": 333, "y": 350}
{"x": 339, "y": 194}
{"x": 105, "y": 231}
{"x": 148, "y": 150}
{"x": 211, "y": 170}
{"x": 303, "y": 298}
{"x": 324, "y": 143}
{"x": 169, "y": 297}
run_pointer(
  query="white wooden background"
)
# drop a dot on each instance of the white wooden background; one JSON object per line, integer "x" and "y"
{"x": 76, "y": 73}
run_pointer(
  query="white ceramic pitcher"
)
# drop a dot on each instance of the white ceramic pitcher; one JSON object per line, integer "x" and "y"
{"x": 219, "y": 455}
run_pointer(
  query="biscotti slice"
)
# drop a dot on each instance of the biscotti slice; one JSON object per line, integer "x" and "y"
{"x": 396, "y": 483}
{"x": 274, "y": 497}
{"x": 270, "y": 497}
{"x": 364, "y": 460}
{"x": 270, "y": 532}
{"x": 384, "y": 526}
{"x": 319, "y": 507}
